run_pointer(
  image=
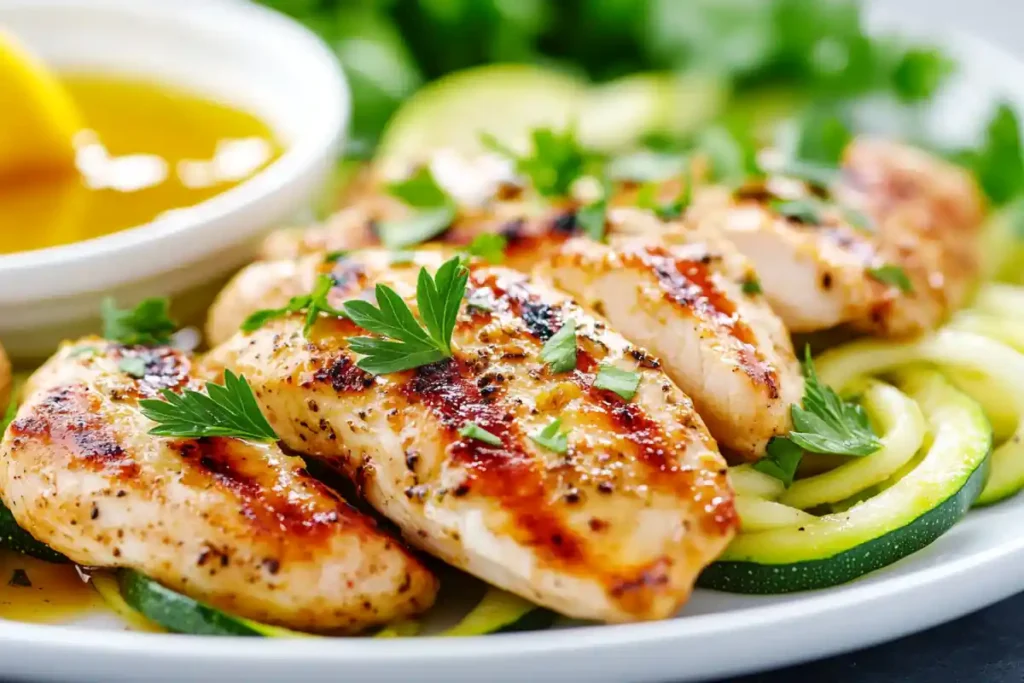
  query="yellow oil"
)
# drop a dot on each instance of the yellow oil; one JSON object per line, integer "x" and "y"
{"x": 41, "y": 592}
{"x": 147, "y": 149}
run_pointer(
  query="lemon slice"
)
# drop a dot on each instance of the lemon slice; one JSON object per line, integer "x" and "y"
{"x": 39, "y": 117}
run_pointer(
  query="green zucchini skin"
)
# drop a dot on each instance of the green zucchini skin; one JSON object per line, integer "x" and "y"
{"x": 761, "y": 566}
{"x": 14, "y": 537}
{"x": 537, "y": 619}
{"x": 767, "y": 579}
{"x": 176, "y": 612}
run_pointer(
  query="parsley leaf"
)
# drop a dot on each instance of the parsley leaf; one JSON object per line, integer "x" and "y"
{"x": 133, "y": 366}
{"x": 892, "y": 275}
{"x": 421, "y": 190}
{"x": 147, "y": 324}
{"x": 559, "y": 352}
{"x": 436, "y": 211}
{"x": 781, "y": 459}
{"x": 807, "y": 211}
{"x": 730, "y": 158}
{"x": 335, "y": 256}
{"x": 828, "y": 424}
{"x": 409, "y": 343}
{"x": 593, "y": 218}
{"x": 420, "y": 227}
{"x": 919, "y": 73}
{"x": 228, "y": 409}
{"x": 313, "y": 304}
{"x": 622, "y": 382}
{"x": 556, "y": 161}
{"x": 552, "y": 437}
{"x": 751, "y": 285}
{"x": 999, "y": 161}
{"x": 814, "y": 174}
{"x": 489, "y": 246}
{"x": 471, "y": 430}
{"x": 822, "y": 136}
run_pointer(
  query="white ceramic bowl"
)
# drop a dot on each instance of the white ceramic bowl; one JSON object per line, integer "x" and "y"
{"x": 241, "y": 53}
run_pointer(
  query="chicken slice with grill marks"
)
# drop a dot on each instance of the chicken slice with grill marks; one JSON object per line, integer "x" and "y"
{"x": 696, "y": 305}
{"x": 892, "y": 207}
{"x": 237, "y": 524}
{"x": 616, "y": 528}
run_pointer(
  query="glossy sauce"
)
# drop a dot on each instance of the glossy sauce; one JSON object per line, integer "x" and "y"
{"x": 42, "y": 592}
{"x": 147, "y": 149}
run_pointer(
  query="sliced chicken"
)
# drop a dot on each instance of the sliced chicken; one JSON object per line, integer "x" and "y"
{"x": 696, "y": 306}
{"x": 237, "y": 524}
{"x": 616, "y": 528}
{"x": 894, "y": 208}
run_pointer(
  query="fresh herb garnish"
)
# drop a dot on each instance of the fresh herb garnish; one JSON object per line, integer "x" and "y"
{"x": 828, "y": 424}
{"x": 407, "y": 342}
{"x": 420, "y": 190}
{"x": 434, "y": 213}
{"x": 824, "y": 424}
{"x": 228, "y": 409}
{"x": 919, "y": 73}
{"x": 556, "y": 161}
{"x": 816, "y": 175}
{"x": 134, "y": 366}
{"x": 472, "y": 430}
{"x": 751, "y": 285}
{"x": 417, "y": 228}
{"x": 593, "y": 218}
{"x": 488, "y": 246}
{"x": 781, "y": 459}
{"x": 559, "y": 352}
{"x": 998, "y": 162}
{"x": 731, "y": 159}
{"x": 622, "y": 382}
{"x": 646, "y": 166}
{"x": 552, "y": 437}
{"x": 83, "y": 351}
{"x": 337, "y": 255}
{"x": 892, "y": 275}
{"x": 148, "y": 324}
{"x": 313, "y": 304}
{"x": 807, "y": 210}
{"x": 822, "y": 136}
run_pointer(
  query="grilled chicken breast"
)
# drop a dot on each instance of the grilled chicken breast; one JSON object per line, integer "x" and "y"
{"x": 237, "y": 524}
{"x": 676, "y": 293}
{"x": 696, "y": 306}
{"x": 616, "y": 528}
{"x": 894, "y": 208}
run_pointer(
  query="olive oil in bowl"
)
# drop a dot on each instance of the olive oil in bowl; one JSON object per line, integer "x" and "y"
{"x": 146, "y": 149}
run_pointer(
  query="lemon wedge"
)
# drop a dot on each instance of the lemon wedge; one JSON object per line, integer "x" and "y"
{"x": 39, "y": 117}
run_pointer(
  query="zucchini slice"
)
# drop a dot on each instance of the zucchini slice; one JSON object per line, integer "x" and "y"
{"x": 501, "y": 612}
{"x": 902, "y": 519}
{"x": 14, "y": 537}
{"x": 181, "y": 614}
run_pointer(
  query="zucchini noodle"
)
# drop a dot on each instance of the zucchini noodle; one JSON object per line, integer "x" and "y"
{"x": 948, "y": 348}
{"x": 746, "y": 481}
{"x": 902, "y": 427}
{"x": 758, "y": 514}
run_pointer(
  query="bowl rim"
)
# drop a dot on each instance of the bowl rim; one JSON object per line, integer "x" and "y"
{"x": 316, "y": 145}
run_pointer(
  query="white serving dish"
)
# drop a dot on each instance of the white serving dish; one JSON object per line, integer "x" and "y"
{"x": 239, "y": 52}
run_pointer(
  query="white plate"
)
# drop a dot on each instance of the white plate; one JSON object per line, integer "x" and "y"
{"x": 979, "y": 562}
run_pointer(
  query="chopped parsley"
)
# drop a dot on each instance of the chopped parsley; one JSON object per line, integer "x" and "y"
{"x": 472, "y": 430}
{"x": 892, "y": 275}
{"x": 618, "y": 381}
{"x": 148, "y": 324}
{"x": 313, "y": 304}
{"x": 552, "y": 437}
{"x": 559, "y": 352}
